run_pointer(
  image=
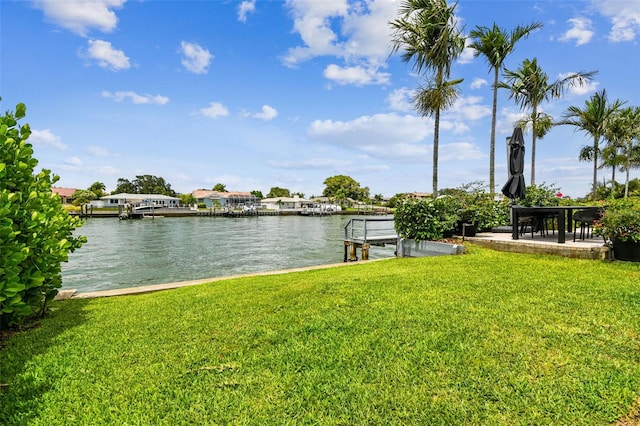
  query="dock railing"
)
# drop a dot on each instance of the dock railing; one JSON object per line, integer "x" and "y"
{"x": 365, "y": 232}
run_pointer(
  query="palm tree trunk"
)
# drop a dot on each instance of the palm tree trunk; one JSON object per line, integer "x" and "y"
{"x": 534, "y": 119}
{"x": 492, "y": 147}
{"x": 436, "y": 136}
{"x": 626, "y": 181}
{"x": 595, "y": 166}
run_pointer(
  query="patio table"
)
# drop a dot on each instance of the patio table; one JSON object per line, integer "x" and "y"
{"x": 565, "y": 215}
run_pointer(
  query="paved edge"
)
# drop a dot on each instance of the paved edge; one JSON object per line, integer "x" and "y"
{"x": 73, "y": 294}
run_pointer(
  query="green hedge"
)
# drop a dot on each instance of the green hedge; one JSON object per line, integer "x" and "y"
{"x": 35, "y": 230}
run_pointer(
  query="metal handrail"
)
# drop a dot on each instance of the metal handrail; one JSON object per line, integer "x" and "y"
{"x": 367, "y": 229}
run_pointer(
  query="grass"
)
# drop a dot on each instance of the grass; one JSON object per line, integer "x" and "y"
{"x": 483, "y": 338}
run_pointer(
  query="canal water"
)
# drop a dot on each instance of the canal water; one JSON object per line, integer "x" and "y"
{"x": 131, "y": 253}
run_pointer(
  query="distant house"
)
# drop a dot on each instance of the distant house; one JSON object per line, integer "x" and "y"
{"x": 157, "y": 200}
{"x": 65, "y": 194}
{"x": 228, "y": 200}
{"x": 418, "y": 195}
{"x": 286, "y": 203}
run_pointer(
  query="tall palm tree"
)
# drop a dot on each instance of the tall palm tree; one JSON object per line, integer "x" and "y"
{"x": 426, "y": 32}
{"x": 495, "y": 44}
{"x": 529, "y": 86}
{"x": 593, "y": 119}
{"x": 623, "y": 136}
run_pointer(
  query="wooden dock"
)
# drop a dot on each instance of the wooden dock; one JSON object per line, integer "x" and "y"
{"x": 366, "y": 232}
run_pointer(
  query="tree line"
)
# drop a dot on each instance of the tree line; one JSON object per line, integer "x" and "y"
{"x": 429, "y": 37}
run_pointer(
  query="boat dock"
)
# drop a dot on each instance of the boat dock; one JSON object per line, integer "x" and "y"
{"x": 364, "y": 232}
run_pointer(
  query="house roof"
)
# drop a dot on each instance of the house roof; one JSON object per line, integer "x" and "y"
{"x": 64, "y": 192}
{"x": 126, "y": 196}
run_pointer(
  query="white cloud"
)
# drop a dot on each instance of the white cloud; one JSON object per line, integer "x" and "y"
{"x": 267, "y": 113}
{"x": 195, "y": 58}
{"x": 358, "y": 76}
{"x": 357, "y": 32}
{"x": 469, "y": 108}
{"x": 311, "y": 163}
{"x": 246, "y": 7}
{"x": 459, "y": 151}
{"x": 107, "y": 56}
{"x": 468, "y": 53}
{"x": 46, "y": 138}
{"x": 215, "y": 109}
{"x": 135, "y": 98}
{"x": 477, "y": 83}
{"x": 387, "y": 136}
{"x": 580, "y": 31}
{"x": 624, "y": 16}
{"x": 97, "y": 151}
{"x": 79, "y": 16}
{"x": 401, "y": 100}
{"x": 73, "y": 162}
{"x": 580, "y": 89}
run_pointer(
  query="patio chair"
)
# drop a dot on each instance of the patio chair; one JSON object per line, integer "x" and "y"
{"x": 585, "y": 219}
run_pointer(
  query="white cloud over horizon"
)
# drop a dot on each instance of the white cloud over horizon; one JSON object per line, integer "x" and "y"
{"x": 195, "y": 58}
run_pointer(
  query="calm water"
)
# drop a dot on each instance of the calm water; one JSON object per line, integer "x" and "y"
{"x": 130, "y": 253}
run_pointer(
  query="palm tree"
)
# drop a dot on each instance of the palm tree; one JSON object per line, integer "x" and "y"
{"x": 495, "y": 44}
{"x": 529, "y": 86}
{"x": 623, "y": 137}
{"x": 427, "y": 33}
{"x": 593, "y": 120}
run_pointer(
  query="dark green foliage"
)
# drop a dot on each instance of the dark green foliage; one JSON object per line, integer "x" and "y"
{"x": 276, "y": 192}
{"x": 144, "y": 184}
{"x": 426, "y": 219}
{"x": 35, "y": 231}
{"x": 342, "y": 187}
{"x": 541, "y": 195}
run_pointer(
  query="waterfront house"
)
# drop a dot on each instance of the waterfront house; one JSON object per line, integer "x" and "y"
{"x": 226, "y": 200}
{"x": 65, "y": 194}
{"x": 286, "y": 203}
{"x": 157, "y": 200}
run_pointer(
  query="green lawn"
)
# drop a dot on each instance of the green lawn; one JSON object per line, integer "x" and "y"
{"x": 483, "y": 338}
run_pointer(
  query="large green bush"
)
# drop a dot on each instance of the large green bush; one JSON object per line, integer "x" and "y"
{"x": 35, "y": 231}
{"x": 426, "y": 219}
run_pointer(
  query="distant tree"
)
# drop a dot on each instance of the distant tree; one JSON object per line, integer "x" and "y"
{"x": 257, "y": 194}
{"x": 98, "y": 189}
{"x": 276, "y": 192}
{"x": 144, "y": 184}
{"x": 220, "y": 187}
{"x": 529, "y": 86}
{"x": 341, "y": 187}
{"x": 299, "y": 194}
{"x": 188, "y": 199}
{"x": 378, "y": 198}
{"x": 495, "y": 44}
{"x": 428, "y": 33}
{"x": 83, "y": 196}
{"x": 124, "y": 186}
{"x": 593, "y": 120}
{"x": 148, "y": 184}
{"x": 623, "y": 138}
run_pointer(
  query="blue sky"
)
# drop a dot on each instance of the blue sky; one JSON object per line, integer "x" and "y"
{"x": 257, "y": 94}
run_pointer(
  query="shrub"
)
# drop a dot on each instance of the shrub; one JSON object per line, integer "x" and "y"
{"x": 426, "y": 219}
{"x": 35, "y": 230}
{"x": 620, "y": 221}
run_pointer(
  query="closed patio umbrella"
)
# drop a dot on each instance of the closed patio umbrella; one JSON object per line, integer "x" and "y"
{"x": 515, "y": 187}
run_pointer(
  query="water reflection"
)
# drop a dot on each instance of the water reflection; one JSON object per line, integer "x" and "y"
{"x": 132, "y": 253}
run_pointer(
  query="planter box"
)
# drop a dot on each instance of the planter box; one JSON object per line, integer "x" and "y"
{"x": 413, "y": 248}
{"x": 626, "y": 250}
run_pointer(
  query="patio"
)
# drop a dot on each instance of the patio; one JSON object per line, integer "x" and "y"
{"x": 501, "y": 240}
